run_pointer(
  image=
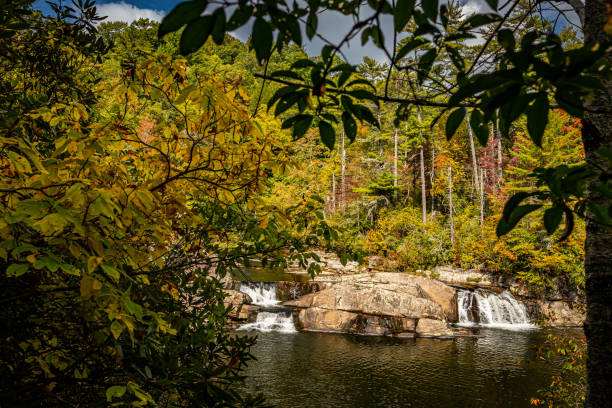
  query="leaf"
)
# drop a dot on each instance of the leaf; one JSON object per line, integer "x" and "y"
{"x": 311, "y": 25}
{"x": 115, "y": 391}
{"x": 409, "y": 46}
{"x": 479, "y": 127}
{"x": 402, "y": 14}
{"x": 453, "y": 122}
{"x": 506, "y": 225}
{"x": 262, "y": 39}
{"x": 478, "y": 20}
{"x": 537, "y": 118}
{"x": 430, "y": 7}
{"x": 239, "y": 18}
{"x": 183, "y": 13}
{"x": 110, "y": 271}
{"x": 492, "y": 4}
{"x": 506, "y": 39}
{"x": 301, "y": 126}
{"x": 116, "y": 329}
{"x": 350, "y": 126}
{"x": 195, "y": 34}
{"x": 552, "y": 218}
{"x": 16, "y": 270}
{"x": 425, "y": 63}
{"x": 328, "y": 136}
{"x": 218, "y": 30}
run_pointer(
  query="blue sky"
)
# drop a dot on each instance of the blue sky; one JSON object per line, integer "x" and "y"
{"x": 332, "y": 25}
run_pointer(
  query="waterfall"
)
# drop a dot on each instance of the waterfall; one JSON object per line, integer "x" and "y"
{"x": 489, "y": 309}
{"x": 272, "y": 321}
{"x": 262, "y": 293}
{"x": 272, "y": 317}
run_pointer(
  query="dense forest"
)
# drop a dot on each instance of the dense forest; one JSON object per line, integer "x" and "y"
{"x": 138, "y": 169}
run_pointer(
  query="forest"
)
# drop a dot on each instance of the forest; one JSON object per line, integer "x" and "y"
{"x": 141, "y": 163}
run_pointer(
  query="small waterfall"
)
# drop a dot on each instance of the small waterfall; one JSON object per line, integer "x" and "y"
{"x": 262, "y": 293}
{"x": 272, "y": 321}
{"x": 488, "y": 309}
{"x": 272, "y": 317}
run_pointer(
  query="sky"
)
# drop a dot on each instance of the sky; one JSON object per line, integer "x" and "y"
{"x": 332, "y": 25}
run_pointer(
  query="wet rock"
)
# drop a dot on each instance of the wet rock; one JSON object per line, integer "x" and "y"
{"x": 318, "y": 319}
{"x": 287, "y": 290}
{"x": 304, "y": 301}
{"x": 433, "y": 328}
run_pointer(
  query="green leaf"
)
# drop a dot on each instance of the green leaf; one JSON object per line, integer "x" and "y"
{"x": 218, "y": 30}
{"x": 425, "y": 63}
{"x": 492, "y": 4}
{"x": 506, "y": 225}
{"x": 402, "y": 14}
{"x": 311, "y": 25}
{"x": 262, "y": 39}
{"x": 409, "y": 46}
{"x": 183, "y": 13}
{"x": 506, "y": 39}
{"x": 552, "y": 218}
{"x": 115, "y": 391}
{"x": 16, "y": 270}
{"x": 453, "y": 122}
{"x": 537, "y": 118}
{"x": 239, "y": 18}
{"x": 195, "y": 34}
{"x": 116, "y": 329}
{"x": 478, "y": 20}
{"x": 430, "y": 7}
{"x": 479, "y": 127}
{"x": 328, "y": 136}
{"x": 350, "y": 126}
{"x": 301, "y": 126}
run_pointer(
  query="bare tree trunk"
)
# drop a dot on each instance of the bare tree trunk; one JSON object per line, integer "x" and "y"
{"x": 597, "y": 134}
{"x": 333, "y": 192}
{"x": 395, "y": 165}
{"x": 500, "y": 157}
{"x": 421, "y": 156}
{"x": 477, "y": 186}
{"x": 423, "y": 193}
{"x": 482, "y": 201}
{"x": 343, "y": 176}
{"x": 432, "y": 173}
{"x": 450, "y": 205}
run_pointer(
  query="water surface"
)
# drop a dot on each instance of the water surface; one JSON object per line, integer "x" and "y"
{"x": 334, "y": 370}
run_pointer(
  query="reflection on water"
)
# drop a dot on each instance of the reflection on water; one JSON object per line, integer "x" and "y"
{"x": 331, "y": 370}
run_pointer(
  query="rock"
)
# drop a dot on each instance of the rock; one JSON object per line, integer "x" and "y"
{"x": 287, "y": 290}
{"x": 559, "y": 313}
{"x": 433, "y": 328}
{"x": 236, "y": 299}
{"x": 405, "y": 335}
{"x": 248, "y": 313}
{"x": 379, "y": 304}
{"x": 318, "y": 319}
{"x": 304, "y": 301}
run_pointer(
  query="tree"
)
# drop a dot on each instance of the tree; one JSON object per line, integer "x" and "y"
{"x": 521, "y": 80}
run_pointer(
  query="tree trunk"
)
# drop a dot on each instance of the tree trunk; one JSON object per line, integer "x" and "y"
{"x": 597, "y": 133}
{"x": 450, "y": 206}
{"x": 500, "y": 157}
{"x": 477, "y": 188}
{"x": 343, "y": 176}
{"x": 395, "y": 165}
{"x": 421, "y": 156}
{"x": 432, "y": 174}
{"x": 333, "y": 192}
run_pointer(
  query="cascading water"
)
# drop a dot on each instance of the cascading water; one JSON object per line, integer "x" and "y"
{"x": 272, "y": 321}
{"x": 271, "y": 316}
{"x": 262, "y": 293}
{"x": 489, "y": 309}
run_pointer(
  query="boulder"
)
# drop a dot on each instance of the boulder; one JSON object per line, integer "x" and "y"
{"x": 238, "y": 300}
{"x": 288, "y": 290}
{"x": 379, "y": 304}
{"x": 318, "y": 319}
{"x": 433, "y": 328}
{"x": 559, "y": 313}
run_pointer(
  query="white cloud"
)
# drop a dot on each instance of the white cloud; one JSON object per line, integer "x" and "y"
{"x": 123, "y": 11}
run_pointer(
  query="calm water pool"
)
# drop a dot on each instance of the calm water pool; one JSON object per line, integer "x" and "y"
{"x": 333, "y": 370}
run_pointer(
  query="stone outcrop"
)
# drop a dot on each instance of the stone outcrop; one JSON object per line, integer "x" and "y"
{"x": 242, "y": 309}
{"x": 380, "y": 304}
{"x": 558, "y": 313}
